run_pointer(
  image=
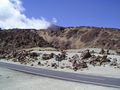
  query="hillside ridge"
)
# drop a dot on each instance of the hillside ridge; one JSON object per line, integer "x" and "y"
{"x": 61, "y": 37}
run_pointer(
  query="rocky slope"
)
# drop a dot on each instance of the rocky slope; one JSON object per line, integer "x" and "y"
{"x": 19, "y": 38}
{"x": 80, "y": 37}
{"x": 65, "y": 38}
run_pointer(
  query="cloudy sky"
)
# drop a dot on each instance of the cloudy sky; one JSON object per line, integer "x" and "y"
{"x": 42, "y": 13}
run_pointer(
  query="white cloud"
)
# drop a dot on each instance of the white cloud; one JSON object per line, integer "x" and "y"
{"x": 12, "y": 16}
{"x": 54, "y": 20}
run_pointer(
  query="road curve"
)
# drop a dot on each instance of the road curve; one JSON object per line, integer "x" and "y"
{"x": 81, "y": 78}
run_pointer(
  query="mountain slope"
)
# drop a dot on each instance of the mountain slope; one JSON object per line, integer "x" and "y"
{"x": 80, "y": 37}
{"x": 19, "y": 38}
{"x": 65, "y": 38}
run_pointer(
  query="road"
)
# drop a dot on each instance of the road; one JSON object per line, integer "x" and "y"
{"x": 81, "y": 78}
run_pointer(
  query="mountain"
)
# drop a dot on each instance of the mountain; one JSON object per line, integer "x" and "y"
{"x": 61, "y": 37}
{"x": 20, "y": 38}
{"x": 81, "y": 37}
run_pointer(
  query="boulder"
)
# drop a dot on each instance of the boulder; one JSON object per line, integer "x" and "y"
{"x": 104, "y": 60}
{"x": 102, "y": 51}
{"x": 86, "y": 54}
{"x": 39, "y": 63}
{"x": 114, "y": 62}
{"x": 54, "y": 65}
{"x": 78, "y": 65}
{"x": 46, "y": 56}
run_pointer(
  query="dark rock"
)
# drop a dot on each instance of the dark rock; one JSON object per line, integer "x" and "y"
{"x": 46, "y": 56}
{"x": 114, "y": 62}
{"x": 86, "y": 54}
{"x": 33, "y": 54}
{"x": 32, "y": 64}
{"x": 39, "y": 63}
{"x": 102, "y": 51}
{"x": 104, "y": 60}
{"x": 54, "y": 65}
{"x": 78, "y": 65}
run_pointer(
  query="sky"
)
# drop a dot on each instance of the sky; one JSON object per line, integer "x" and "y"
{"x": 43, "y": 13}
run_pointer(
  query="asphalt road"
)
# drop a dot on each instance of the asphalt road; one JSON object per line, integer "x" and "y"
{"x": 81, "y": 78}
